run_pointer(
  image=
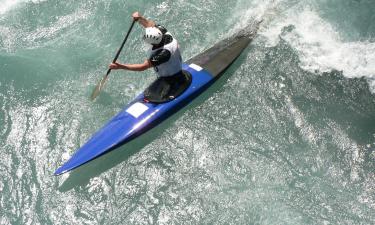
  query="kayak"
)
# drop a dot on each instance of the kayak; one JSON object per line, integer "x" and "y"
{"x": 139, "y": 115}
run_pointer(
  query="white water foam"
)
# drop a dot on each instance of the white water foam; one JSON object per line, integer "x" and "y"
{"x": 6, "y": 5}
{"x": 320, "y": 47}
{"x": 61, "y": 24}
{"x": 12, "y": 38}
{"x": 258, "y": 10}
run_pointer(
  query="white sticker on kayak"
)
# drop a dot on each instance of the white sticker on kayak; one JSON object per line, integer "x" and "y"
{"x": 196, "y": 67}
{"x": 137, "y": 109}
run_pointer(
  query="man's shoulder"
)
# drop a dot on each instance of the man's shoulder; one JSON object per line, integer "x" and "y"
{"x": 161, "y": 28}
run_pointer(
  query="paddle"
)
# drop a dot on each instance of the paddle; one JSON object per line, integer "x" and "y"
{"x": 100, "y": 85}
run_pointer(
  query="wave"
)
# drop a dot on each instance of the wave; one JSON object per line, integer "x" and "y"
{"x": 321, "y": 46}
{"x": 13, "y": 37}
{"x": 7, "y": 5}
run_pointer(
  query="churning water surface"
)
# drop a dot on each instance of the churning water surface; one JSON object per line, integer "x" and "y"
{"x": 286, "y": 136}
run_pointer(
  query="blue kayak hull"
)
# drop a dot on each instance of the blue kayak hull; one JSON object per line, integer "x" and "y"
{"x": 135, "y": 119}
{"x": 140, "y": 116}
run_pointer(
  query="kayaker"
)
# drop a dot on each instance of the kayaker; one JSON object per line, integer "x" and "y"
{"x": 165, "y": 58}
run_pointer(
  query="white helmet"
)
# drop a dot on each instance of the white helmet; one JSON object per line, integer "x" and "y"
{"x": 153, "y": 36}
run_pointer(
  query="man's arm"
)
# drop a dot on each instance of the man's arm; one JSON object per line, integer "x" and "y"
{"x": 143, "y": 21}
{"x": 133, "y": 67}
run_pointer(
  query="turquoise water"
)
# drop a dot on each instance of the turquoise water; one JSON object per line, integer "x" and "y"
{"x": 285, "y": 137}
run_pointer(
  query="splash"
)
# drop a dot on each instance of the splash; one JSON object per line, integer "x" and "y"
{"x": 7, "y": 5}
{"x": 321, "y": 47}
{"x": 13, "y": 38}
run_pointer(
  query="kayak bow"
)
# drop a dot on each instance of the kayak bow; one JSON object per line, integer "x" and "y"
{"x": 140, "y": 116}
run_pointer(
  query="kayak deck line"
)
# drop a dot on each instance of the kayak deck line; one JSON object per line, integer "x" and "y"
{"x": 140, "y": 116}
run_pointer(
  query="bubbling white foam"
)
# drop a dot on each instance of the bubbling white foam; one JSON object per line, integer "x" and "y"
{"x": 258, "y": 10}
{"x": 320, "y": 47}
{"x": 12, "y": 38}
{"x": 6, "y": 5}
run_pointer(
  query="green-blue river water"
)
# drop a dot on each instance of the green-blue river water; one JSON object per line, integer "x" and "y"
{"x": 286, "y": 136}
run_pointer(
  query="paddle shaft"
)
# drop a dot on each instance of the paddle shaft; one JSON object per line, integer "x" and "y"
{"x": 122, "y": 46}
{"x": 100, "y": 85}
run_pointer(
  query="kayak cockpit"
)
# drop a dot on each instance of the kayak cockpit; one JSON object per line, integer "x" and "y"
{"x": 165, "y": 89}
